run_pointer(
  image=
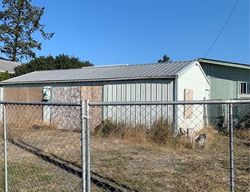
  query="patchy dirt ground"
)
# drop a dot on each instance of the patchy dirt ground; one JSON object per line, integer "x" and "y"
{"x": 154, "y": 168}
{"x": 43, "y": 160}
{"x": 49, "y": 160}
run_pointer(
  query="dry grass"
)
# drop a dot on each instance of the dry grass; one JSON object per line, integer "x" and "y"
{"x": 158, "y": 162}
{"x": 150, "y": 167}
{"x": 121, "y": 163}
{"x": 160, "y": 133}
{"x": 34, "y": 125}
{"x": 135, "y": 133}
{"x": 35, "y": 171}
{"x": 243, "y": 134}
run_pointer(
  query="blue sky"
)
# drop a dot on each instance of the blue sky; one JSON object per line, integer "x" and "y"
{"x": 142, "y": 31}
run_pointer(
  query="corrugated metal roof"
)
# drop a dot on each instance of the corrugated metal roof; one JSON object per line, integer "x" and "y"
{"x": 120, "y": 72}
{"x": 8, "y": 66}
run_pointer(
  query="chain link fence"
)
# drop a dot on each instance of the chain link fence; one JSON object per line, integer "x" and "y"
{"x": 133, "y": 148}
{"x": 41, "y": 147}
{"x": 128, "y": 146}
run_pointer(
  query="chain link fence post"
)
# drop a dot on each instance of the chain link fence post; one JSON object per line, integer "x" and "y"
{"x": 88, "y": 177}
{"x": 231, "y": 147}
{"x": 175, "y": 121}
{"x": 85, "y": 146}
{"x": 5, "y": 150}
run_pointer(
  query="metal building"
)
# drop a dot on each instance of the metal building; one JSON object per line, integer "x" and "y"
{"x": 146, "y": 82}
{"x": 173, "y": 81}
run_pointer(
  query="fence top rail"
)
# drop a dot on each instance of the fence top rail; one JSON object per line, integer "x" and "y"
{"x": 93, "y": 103}
{"x": 193, "y": 102}
{"x": 40, "y": 103}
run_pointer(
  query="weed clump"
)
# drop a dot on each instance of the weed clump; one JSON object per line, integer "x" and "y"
{"x": 105, "y": 129}
{"x": 243, "y": 134}
{"x": 120, "y": 130}
{"x": 160, "y": 132}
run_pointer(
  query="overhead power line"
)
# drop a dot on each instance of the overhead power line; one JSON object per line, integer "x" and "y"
{"x": 222, "y": 29}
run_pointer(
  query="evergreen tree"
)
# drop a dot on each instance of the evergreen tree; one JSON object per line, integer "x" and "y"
{"x": 19, "y": 20}
{"x": 164, "y": 59}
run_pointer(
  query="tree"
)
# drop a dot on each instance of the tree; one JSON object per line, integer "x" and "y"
{"x": 164, "y": 59}
{"x": 18, "y": 22}
{"x": 51, "y": 63}
{"x": 5, "y": 75}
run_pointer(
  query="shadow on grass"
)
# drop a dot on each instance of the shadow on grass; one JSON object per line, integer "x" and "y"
{"x": 104, "y": 183}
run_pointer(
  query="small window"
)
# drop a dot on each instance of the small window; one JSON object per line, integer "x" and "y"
{"x": 244, "y": 88}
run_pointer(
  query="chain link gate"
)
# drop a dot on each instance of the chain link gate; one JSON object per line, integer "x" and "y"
{"x": 44, "y": 147}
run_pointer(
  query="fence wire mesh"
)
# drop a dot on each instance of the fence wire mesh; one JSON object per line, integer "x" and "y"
{"x": 241, "y": 146}
{"x": 43, "y": 147}
{"x": 132, "y": 148}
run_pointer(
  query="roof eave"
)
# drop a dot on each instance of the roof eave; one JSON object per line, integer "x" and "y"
{"x": 224, "y": 63}
{"x": 28, "y": 83}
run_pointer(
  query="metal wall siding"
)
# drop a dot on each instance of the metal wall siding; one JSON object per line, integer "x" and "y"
{"x": 114, "y": 93}
{"x": 143, "y": 92}
{"x": 123, "y": 92}
{"x": 171, "y": 94}
{"x": 159, "y": 89}
{"x": 132, "y": 92}
{"x": 138, "y": 91}
{"x": 153, "y": 92}
{"x": 127, "y": 92}
{"x": 119, "y": 93}
{"x": 165, "y": 92}
{"x": 109, "y": 91}
{"x": 105, "y": 93}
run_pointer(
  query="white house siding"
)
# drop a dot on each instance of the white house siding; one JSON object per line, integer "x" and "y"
{"x": 192, "y": 79}
{"x": 157, "y": 90}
